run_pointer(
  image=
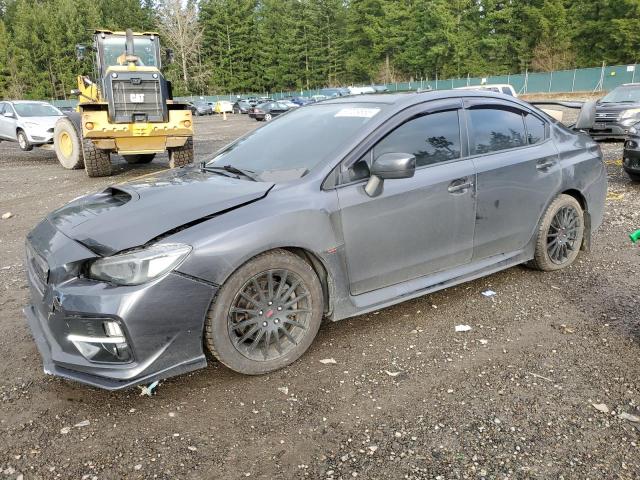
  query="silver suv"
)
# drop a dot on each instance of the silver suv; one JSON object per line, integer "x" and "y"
{"x": 28, "y": 123}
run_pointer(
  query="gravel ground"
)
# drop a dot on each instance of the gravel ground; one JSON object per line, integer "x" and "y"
{"x": 407, "y": 397}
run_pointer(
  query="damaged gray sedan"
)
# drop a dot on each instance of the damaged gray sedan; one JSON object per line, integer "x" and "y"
{"x": 330, "y": 211}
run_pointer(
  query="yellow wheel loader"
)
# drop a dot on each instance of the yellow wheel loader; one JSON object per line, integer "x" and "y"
{"x": 127, "y": 109}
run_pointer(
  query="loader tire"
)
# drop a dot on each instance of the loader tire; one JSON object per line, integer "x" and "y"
{"x": 139, "y": 158}
{"x": 97, "y": 163}
{"x": 181, "y": 156}
{"x": 66, "y": 143}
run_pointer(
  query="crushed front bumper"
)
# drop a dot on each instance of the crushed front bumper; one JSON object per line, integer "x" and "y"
{"x": 162, "y": 321}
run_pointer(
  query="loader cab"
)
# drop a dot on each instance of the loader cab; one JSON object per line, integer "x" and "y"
{"x": 111, "y": 50}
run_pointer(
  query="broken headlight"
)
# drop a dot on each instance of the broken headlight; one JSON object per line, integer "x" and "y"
{"x": 139, "y": 266}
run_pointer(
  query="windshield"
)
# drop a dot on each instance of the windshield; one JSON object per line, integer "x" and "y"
{"x": 622, "y": 94}
{"x": 143, "y": 47}
{"x": 294, "y": 143}
{"x": 36, "y": 110}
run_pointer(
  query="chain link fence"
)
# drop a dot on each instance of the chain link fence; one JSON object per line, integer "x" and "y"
{"x": 597, "y": 79}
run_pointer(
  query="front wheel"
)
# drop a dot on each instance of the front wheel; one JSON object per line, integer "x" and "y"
{"x": 267, "y": 117}
{"x": 23, "y": 142}
{"x": 266, "y": 314}
{"x": 97, "y": 163}
{"x": 181, "y": 156}
{"x": 560, "y": 235}
{"x": 67, "y": 145}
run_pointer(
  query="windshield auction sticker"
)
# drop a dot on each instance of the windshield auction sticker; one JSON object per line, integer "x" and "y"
{"x": 357, "y": 112}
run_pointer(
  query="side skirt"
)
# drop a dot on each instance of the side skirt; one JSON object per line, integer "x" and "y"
{"x": 387, "y": 296}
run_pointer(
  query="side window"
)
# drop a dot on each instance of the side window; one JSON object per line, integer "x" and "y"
{"x": 507, "y": 91}
{"x": 2, "y": 108}
{"x": 432, "y": 138}
{"x": 536, "y": 129}
{"x": 494, "y": 129}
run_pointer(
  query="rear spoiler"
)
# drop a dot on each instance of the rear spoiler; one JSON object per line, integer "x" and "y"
{"x": 586, "y": 117}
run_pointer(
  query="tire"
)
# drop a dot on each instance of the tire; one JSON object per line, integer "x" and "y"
{"x": 635, "y": 177}
{"x": 267, "y": 117}
{"x": 139, "y": 158}
{"x": 559, "y": 235}
{"x": 23, "y": 141}
{"x": 97, "y": 163}
{"x": 181, "y": 156}
{"x": 236, "y": 111}
{"x": 66, "y": 143}
{"x": 260, "y": 344}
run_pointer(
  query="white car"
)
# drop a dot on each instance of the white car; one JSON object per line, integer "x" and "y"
{"x": 361, "y": 90}
{"x": 493, "y": 87}
{"x": 223, "y": 106}
{"x": 28, "y": 123}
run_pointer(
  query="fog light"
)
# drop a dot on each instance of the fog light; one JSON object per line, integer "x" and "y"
{"x": 112, "y": 329}
{"x": 89, "y": 125}
{"x": 110, "y": 346}
{"x": 187, "y": 123}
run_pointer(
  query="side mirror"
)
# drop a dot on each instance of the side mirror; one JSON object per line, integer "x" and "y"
{"x": 389, "y": 166}
{"x": 9, "y": 115}
{"x": 170, "y": 56}
{"x": 75, "y": 92}
{"x": 81, "y": 50}
{"x": 587, "y": 116}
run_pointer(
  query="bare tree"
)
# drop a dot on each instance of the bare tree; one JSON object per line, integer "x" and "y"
{"x": 178, "y": 25}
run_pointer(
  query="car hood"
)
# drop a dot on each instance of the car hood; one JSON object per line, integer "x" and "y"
{"x": 45, "y": 122}
{"x": 132, "y": 214}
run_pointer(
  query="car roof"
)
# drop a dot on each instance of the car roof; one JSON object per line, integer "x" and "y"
{"x": 26, "y": 101}
{"x": 399, "y": 101}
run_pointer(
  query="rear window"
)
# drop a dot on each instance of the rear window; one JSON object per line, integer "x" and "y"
{"x": 493, "y": 129}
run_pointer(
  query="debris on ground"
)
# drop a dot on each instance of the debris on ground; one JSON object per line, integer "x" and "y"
{"x": 630, "y": 417}
{"x": 489, "y": 293}
{"x": 84, "y": 423}
{"x": 601, "y": 407}
{"x": 7, "y": 216}
{"x": 328, "y": 361}
{"x": 148, "y": 391}
{"x": 463, "y": 328}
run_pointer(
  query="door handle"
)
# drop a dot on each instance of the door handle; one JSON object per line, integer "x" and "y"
{"x": 459, "y": 185}
{"x": 545, "y": 164}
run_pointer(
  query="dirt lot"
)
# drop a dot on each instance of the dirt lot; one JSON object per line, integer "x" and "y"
{"x": 408, "y": 397}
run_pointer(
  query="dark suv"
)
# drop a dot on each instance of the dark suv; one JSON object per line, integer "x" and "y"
{"x": 616, "y": 112}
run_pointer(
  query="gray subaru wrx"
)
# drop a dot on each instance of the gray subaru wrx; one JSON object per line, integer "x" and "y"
{"x": 329, "y": 211}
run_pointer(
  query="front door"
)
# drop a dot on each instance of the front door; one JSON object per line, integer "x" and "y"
{"x": 517, "y": 173}
{"x": 7, "y": 125}
{"x": 416, "y": 226}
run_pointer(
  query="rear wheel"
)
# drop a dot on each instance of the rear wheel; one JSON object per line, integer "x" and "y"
{"x": 559, "y": 235}
{"x": 181, "y": 156}
{"x": 266, "y": 314}
{"x": 23, "y": 141}
{"x": 139, "y": 158}
{"x": 66, "y": 143}
{"x": 97, "y": 163}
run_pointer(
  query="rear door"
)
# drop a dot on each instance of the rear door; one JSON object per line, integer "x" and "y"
{"x": 416, "y": 226}
{"x": 518, "y": 172}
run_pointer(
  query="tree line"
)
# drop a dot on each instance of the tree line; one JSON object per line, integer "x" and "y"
{"x": 229, "y": 46}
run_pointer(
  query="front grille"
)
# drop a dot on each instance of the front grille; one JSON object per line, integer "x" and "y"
{"x": 607, "y": 116}
{"x": 137, "y": 100}
{"x": 37, "y": 266}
